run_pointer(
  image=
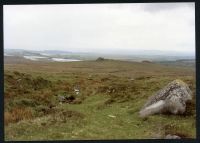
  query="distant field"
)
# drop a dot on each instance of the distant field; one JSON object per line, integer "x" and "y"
{"x": 111, "y": 93}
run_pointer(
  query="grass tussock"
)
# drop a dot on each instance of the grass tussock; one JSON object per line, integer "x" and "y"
{"x": 17, "y": 114}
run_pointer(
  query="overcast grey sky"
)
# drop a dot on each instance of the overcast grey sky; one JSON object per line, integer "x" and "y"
{"x": 107, "y": 28}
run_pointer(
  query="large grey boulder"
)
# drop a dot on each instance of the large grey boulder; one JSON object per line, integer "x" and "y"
{"x": 172, "y": 99}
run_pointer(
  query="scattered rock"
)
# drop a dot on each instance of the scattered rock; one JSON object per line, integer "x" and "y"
{"x": 61, "y": 98}
{"x": 171, "y": 99}
{"x": 131, "y": 79}
{"x": 89, "y": 77}
{"x": 169, "y": 136}
{"x": 66, "y": 98}
{"x": 76, "y": 91}
{"x": 19, "y": 80}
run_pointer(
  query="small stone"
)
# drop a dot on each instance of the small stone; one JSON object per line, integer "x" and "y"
{"x": 169, "y": 136}
{"x": 19, "y": 79}
{"x": 112, "y": 116}
{"x": 89, "y": 77}
{"x": 76, "y": 91}
{"x": 61, "y": 98}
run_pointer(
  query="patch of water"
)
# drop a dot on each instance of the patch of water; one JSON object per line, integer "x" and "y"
{"x": 64, "y": 60}
{"x": 34, "y": 58}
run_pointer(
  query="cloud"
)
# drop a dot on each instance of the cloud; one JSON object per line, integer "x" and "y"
{"x": 157, "y": 7}
{"x": 109, "y": 28}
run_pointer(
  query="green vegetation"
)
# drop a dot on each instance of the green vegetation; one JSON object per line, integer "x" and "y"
{"x": 110, "y": 95}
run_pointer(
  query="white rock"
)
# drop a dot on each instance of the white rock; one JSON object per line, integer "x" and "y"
{"x": 169, "y": 136}
{"x": 112, "y": 116}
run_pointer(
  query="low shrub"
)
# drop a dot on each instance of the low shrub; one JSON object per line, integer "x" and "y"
{"x": 17, "y": 114}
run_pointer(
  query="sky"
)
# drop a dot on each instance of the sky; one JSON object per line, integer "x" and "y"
{"x": 101, "y": 28}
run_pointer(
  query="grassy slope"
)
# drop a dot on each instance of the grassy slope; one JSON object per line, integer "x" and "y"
{"x": 111, "y": 94}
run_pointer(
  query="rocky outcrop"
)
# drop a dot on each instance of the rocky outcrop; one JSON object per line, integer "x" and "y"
{"x": 172, "y": 99}
{"x": 146, "y": 61}
{"x": 100, "y": 59}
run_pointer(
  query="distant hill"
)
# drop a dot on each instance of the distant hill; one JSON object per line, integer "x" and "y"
{"x": 20, "y": 52}
{"x": 32, "y": 52}
{"x": 55, "y": 52}
{"x": 153, "y": 56}
{"x": 180, "y": 62}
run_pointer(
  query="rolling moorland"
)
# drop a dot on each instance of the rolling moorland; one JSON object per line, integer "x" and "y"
{"x": 102, "y": 99}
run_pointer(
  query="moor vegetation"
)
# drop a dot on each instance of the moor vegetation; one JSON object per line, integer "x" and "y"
{"x": 90, "y": 100}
